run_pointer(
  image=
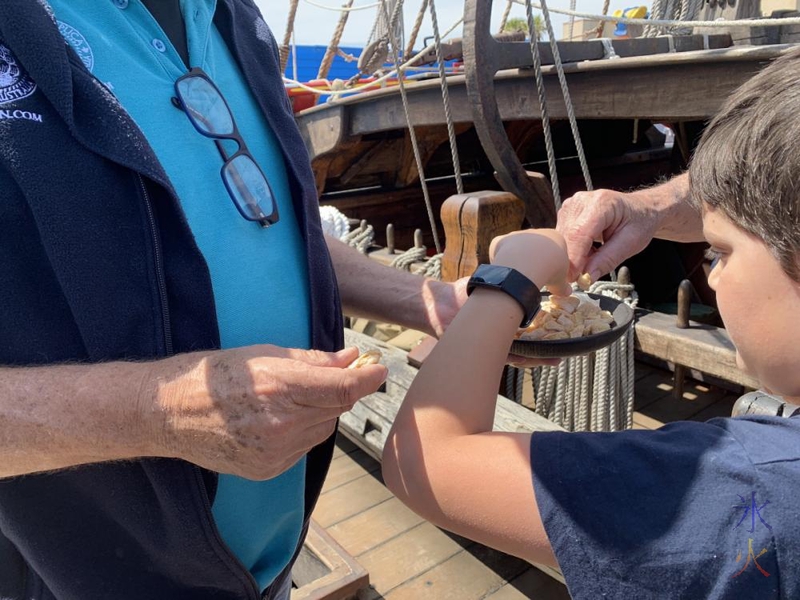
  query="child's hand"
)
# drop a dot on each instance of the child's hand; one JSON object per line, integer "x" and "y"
{"x": 539, "y": 254}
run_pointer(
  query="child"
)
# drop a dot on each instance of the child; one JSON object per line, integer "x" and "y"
{"x": 692, "y": 510}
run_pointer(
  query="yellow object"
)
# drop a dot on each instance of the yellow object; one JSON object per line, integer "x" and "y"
{"x": 636, "y": 12}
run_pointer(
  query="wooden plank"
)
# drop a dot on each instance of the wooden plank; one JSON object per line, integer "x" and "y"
{"x": 531, "y": 585}
{"x": 461, "y": 577}
{"x": 671, "y": 87}
{"x": 702, "y": 347}
{"x": 347, "y": 468}
{"x": 343, "y": 576}
{"x": 375, "y": 526}
{"x": 403, "y": 558}
{"x": 344, "y": 446}
{"x": 669, "y": 409}
{"x": 642, "y": 421}
{"x": 350, "y": 499}
{"x": 721, "y": 408}
{"x": 651, "y": 388}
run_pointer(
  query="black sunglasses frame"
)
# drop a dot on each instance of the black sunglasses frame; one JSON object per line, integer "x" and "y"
{"x": 178, "y": 101}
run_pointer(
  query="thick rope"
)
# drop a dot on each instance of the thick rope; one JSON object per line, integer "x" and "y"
{"x": 573, "y": 122}
{"x": 570, "y": 400}
{"x": 376, "y": 53}
{"x": 587, "y": 365}
{"x": 432, "y": 268}
{"x": 361, "y": 238}
{"x": 334, "y": 223}
{"x": 412, "y": 39}
{"x": 405, "y": 260}
{"x": 287, "y": 36}
{"x": 599, "y": 31}
{"x": 548, "y": 138}
{"x": 689, "y": 10}
{"x": 519, "y": 386}
{"x": 572, "y": 5}
{"x": 504, "y": 18}
{"x": 340, "y": 9}
{"x": 656, "y": 14}
{"x": 413, "y": 137}
{"x": 408, "y": 65}
{"x": 451, "y": 133}
{"x": 330, "y": 52}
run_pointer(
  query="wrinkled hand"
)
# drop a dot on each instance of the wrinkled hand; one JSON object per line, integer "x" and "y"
{"x": 624, "y": 222}
{"x": 254, "y": 411}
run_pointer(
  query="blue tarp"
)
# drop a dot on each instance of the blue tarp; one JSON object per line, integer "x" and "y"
{"x": 310, "y": 57}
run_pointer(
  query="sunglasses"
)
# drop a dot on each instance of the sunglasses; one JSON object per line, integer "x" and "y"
{"x": 210, "y": 114}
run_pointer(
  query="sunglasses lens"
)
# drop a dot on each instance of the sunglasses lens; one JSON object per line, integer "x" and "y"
{"x": 205, "y": 106}
{"x": 249, "y": 189}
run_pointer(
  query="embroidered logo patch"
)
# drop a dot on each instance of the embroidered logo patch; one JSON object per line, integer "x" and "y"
{"x": 15, "y": 83}
{"x": 79, "y": 44}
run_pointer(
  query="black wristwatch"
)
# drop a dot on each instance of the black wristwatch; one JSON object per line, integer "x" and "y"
{"x": 513, "y": 283}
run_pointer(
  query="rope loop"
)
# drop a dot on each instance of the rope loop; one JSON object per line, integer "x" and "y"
{"x": 361, "y": 238}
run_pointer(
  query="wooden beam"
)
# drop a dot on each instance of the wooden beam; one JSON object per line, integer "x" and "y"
{"x": 703, "y": 347}
{"x": 668, "y": 87}
{"x": 470, "y": 222}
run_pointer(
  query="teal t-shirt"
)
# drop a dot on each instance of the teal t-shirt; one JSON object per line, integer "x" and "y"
{"x": 259, "y": 276}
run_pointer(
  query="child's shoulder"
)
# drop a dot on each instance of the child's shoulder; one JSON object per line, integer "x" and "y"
{"x": 765, "y": 439}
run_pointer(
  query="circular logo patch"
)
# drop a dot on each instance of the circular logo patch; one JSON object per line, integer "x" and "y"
{"x": 79, "y": 44}
{"x": 15, "y": 83}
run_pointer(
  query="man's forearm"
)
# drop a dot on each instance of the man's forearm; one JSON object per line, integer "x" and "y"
{"x": 679, "y": 220}
{"x": 374, "y": 291}
{"x": 61, "y": 416}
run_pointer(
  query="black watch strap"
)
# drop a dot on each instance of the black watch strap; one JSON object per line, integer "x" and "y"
{"x": 513, "y": 283}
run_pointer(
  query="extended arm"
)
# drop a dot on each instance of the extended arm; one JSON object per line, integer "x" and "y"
{"x": 441, "y": 456}
{"x": 56, "y": 417}
{"x": 374, "y": 291}
{"x": 250, "y": 411}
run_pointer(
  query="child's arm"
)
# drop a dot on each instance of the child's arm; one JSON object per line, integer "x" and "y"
{"x": 441, "y": 457}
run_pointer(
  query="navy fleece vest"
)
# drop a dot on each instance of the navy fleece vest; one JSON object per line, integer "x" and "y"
{"x": 97, "y": 263}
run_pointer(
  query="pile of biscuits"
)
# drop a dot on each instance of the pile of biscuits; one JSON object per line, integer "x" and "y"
{"x": 565, "y": 317}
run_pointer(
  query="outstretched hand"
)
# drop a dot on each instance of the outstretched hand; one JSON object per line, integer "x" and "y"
{"x": 253, "y": 411}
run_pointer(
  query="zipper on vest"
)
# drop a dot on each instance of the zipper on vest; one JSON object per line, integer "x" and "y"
{"x": 233, "y": 560}
{"x": 159, "y": 264}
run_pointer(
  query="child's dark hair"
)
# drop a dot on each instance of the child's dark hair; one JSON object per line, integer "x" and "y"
{"x": 748, "y": 161}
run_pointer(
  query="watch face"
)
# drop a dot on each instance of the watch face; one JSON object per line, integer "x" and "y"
{"x": 492, "y": 274}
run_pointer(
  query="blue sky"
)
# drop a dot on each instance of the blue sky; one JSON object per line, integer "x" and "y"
{"x": 316, "y": 25}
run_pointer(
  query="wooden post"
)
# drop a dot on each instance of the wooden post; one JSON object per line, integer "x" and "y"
{"x": 390, "y": 239}
{"x": 470, "y": 222}
{"x": 685, "y": 291}
{"x": 624, "y": 277}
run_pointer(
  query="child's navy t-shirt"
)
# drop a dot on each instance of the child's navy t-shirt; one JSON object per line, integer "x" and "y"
{"x": 691, "y": 511}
